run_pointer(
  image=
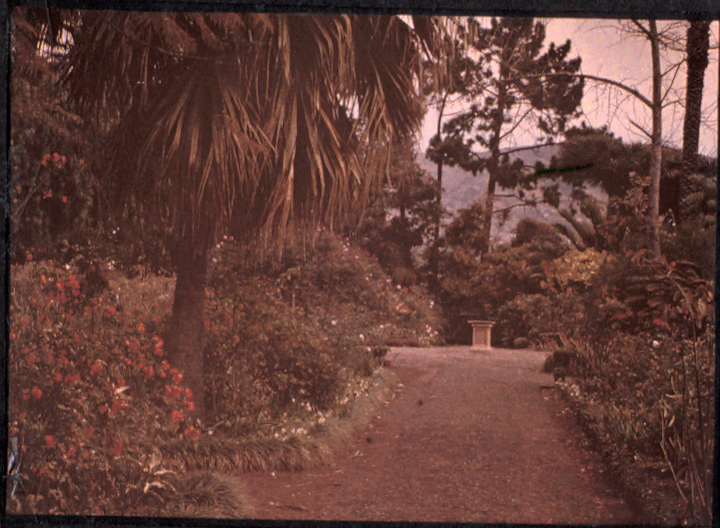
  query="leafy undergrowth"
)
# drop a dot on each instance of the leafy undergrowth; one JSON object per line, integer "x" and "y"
{"x": 646, "y": 482}
{"x": 98, "y": 419}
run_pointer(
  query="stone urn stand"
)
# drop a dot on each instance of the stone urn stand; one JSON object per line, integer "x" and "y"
{"x": 481, "y": 334}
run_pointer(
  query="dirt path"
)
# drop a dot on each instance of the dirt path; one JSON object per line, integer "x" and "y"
{"x": 468, "y": 437}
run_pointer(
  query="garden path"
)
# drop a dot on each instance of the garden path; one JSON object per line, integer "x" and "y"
{"x": 469, "y": 436}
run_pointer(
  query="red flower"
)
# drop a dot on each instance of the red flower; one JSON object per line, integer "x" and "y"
{"x": 58, "y": 377}
{"x": 117, "y": 450}
{"x": 111, "y": 310}
{"x": 191, "y": 432}
{"x": 206, "y": 324}
{"x": 50, "y": 441}
{"x": 190, "y": 406}
{"x": 188, "y": 394}
{"x": 95, "y": 368}
{"x": 177, "y": 416}
{"x": 141, "y": 328}
{"x": 88, "y": 431}
{"x": 36, "y": 392}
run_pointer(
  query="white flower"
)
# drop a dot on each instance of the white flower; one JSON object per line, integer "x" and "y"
{"x": 321, "y": 420}
{"x": 362, "y": 337}
{"x": 333, "y": 322}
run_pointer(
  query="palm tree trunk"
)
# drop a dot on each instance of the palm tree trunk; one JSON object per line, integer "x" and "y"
{"x": 697, "y": 47}
{"x": 185, "y": 342}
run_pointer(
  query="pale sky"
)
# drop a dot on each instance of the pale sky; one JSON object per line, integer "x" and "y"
{"x": 608, "y": 52}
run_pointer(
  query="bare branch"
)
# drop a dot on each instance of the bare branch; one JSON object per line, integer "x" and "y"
{"x": 517, "y": 124}
{"x": 648, "y": 134}
{"x": 642, "y": 28}
{"x": 524, "y": 203}
{"x": 632, "y": 91}
{"x": 670, "y": 85}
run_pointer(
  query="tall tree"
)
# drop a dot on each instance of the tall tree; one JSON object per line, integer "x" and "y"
{"x": 464, "y": 80}
{"x": 402, "y": 217}
{"x": 697, "y": 49}
{"x": 521, "y": 82}
{"x": 244, "y": 122}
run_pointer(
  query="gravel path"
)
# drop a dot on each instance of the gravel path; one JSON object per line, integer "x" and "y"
{"x": 468, "y": 437}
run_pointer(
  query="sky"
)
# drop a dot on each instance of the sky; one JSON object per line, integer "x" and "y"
{"x": 608, "y": 52}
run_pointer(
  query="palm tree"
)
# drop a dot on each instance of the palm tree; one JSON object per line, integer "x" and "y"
{"x": 697, "y": 48}
{"x": 244, "y": 123}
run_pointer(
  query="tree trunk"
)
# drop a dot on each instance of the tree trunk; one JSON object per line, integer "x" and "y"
{"x": 697, "y": 48}
{"x": 185, "y": 342}
{"x": 656, "y": 140}
{"x": 434, "y": 255}
{"x": 493, "y": 164}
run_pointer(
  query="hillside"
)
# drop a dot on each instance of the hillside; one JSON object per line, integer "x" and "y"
{"x": 461, "y": 189}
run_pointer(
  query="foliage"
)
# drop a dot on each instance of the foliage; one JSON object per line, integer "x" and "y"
{"x": 297, "y": 132}
{"x": 694, "y": 237}
{"x": 103, "y": 420}
{"x": 204, "y": 133}
{"x": 401, "y": 218}
{"x": 644, "y": 339}
{"x": 595, "y": 157}
{"x": 519, "y": 83}
{"x": 481, "y": 286}
{"x": 92, "y": 399}
{"x": 54, "y": 193}
{"x": 513, "y": 67}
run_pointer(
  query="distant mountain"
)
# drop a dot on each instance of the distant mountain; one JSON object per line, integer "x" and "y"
{"x": 461, "y": 189}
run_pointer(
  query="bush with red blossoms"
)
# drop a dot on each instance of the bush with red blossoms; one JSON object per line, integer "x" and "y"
{"x": 93, "y": 401}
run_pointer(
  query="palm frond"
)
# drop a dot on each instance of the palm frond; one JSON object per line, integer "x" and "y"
{"x": 250, "y": 119}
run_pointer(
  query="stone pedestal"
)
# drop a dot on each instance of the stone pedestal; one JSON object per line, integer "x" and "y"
{"x": 481, "y": 334}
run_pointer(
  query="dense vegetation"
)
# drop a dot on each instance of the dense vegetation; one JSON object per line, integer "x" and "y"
{"x": 103, "y": 421}
{"x": 640, "y": 331}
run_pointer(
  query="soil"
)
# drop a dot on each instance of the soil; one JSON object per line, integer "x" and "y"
{"x": 468, "y": 436}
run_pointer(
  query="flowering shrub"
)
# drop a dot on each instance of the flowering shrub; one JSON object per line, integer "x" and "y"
{"x": 295, "y": 335}
{"x": 100, "y": 418}
{"x": 92, "y": 399}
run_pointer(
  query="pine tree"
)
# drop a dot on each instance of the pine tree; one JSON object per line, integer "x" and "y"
{"x": 521, "y": 82}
